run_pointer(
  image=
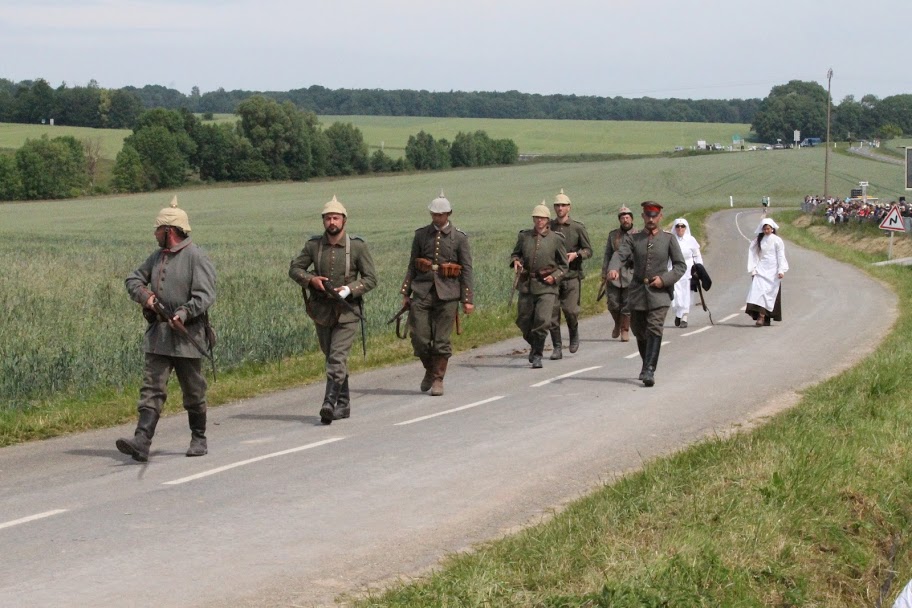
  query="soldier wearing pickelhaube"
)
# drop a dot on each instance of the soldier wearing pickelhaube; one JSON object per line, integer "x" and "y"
{"x": 341, "y": 262}
{"x": 438, "y": 278}
{"x": 576, "y": 241}
{"x": 616, "y": 291}
{"x": 649, "y": 253}
{"x": 540, "y": 260}
{"x": 176, "y": 288}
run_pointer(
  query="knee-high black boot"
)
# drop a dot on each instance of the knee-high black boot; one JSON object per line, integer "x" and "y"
{"x": 653, "y": 345}
{"x": 197, "y": 422}
{"x": 343, "y": 403}
{"x": 641, "y": 346}
{"x": 573, "y": 328}
{"x": 138, "y": 446}
{"x": 328, "y": 411}
{"x": 556, "y": 352}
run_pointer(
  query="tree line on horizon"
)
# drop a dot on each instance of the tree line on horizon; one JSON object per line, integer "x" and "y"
{"x": 797, "y": 105}
{"x": 270, "y": 141}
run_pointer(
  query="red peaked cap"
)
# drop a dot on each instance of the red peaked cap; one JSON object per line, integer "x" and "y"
{"x": 651, "y": 207}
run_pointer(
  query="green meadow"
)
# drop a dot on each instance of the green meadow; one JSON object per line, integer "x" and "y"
{"x": 13, "y": 135}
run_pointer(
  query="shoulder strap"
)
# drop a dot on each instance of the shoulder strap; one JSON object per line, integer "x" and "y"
{"x": 348, "y": 244}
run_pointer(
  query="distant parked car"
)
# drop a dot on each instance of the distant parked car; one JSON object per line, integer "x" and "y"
{"x": 809, "y": 142}
{"x": 679, "y": 148}
{"x": 778, "y": 147}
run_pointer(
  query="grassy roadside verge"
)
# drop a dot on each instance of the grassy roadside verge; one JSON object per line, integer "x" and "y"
{"x": 812, "y": 509}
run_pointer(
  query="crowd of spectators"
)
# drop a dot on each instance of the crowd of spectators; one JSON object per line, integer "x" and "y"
{"x": 859, "y": 210}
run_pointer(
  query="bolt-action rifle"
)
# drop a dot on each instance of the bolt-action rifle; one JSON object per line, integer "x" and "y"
{"x": 165, "y": 315}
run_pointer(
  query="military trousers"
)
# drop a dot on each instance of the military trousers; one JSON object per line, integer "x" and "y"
{"x": 533, "y": 314}
{"x": 644, "y": 323}
{"x": 431, "y": 322}
{"x": 157, "y": 370}
{"x": 568, "y": 301}
{"x": 617, "y": 299}
{"x": 336, "y": 342}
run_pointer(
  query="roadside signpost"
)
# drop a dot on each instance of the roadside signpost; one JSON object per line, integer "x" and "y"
{"x": 893, "y": 222}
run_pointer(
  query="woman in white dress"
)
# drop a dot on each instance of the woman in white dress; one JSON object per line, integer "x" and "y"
{"x": 767, "y": 265}
{"x": 691, "y": 250}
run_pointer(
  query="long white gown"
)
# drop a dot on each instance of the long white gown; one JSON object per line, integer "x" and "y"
{"x": 765, "y": 267}
{"x": 691, "y": 250}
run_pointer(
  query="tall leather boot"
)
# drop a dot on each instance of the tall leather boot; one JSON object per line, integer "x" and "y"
{"x": 617, "y": 324}
{"x": 138, "y": 446}
{"x": 343, "y": 403}
{"x": 328, "y": 411}
{"x": 625, "y": 328}
{"x": 653, "y": 345}
{"x": 440, "y": 367}
{"x": 573, "y": 328}
{"x": 197, "y": 422}
{"x": 428, "y": 379}
{"x": 538, "y": 345}
{"x": 556, "y": 352}
{"x": 641, "y": 346}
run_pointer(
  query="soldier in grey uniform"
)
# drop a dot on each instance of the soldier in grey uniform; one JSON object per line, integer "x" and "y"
{"x": 649, "y": 252}
{"x": 540, "y": 261}
{"x": 181, "y": 277}
{"x": 438, "y": 278}
{"x": 345, "y": 263}
{"x": 576, "y": 241}
{"x": 616, "y": 291}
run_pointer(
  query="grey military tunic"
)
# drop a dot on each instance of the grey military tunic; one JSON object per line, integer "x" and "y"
{"x": 183, "y": 279}
{"x": 576, "y": 239}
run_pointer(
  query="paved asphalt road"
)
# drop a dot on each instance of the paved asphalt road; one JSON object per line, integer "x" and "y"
{"x": 284, "y": 511}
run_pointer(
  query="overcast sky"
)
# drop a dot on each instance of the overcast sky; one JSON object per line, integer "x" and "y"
{"x": 698, "y": 49}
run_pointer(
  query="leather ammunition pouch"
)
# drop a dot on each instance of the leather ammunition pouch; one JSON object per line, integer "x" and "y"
{"x": 450, "y": 270}
{"x": 447, "y": 270}
{"x": 543, "y": 273}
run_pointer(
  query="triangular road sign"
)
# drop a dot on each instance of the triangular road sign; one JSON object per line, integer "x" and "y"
{"x": 893, "y": 221}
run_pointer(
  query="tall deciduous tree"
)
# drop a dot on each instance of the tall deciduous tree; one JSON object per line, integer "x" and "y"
{"x": 347, "y": 150}
{"x": 51, "y": 168}
{"x": 797, "y": 105}
{"x": 281, "y": 134}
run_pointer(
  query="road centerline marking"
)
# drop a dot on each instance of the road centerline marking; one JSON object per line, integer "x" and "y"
{"x": 696, "y": 331}
{"x": 249, "y": 461}
{"x": 25, "y": 520}
{"x": 729, "y": 317}
{"x": 455, "y": 409}
{"x": 562, "y": 376}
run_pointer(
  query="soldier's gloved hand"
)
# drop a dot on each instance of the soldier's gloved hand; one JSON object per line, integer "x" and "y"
{"x": 344, "y": 291}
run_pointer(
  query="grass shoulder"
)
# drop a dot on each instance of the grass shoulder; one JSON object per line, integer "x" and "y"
{"x": 810, "y": 509}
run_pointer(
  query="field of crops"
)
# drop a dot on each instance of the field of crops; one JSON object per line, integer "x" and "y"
{"x": 532, "y": 136}
{"x": 67, "y": 325}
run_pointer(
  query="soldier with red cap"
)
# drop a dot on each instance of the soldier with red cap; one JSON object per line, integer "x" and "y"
{"x": 649, "y": 253}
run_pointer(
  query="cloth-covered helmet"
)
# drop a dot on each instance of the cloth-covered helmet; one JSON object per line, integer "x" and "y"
{"x": 172, "y": 216}
{"x": 561, "y": 198}
{"x": 334, "y": 206}
{"x": 541, "y": 210}
{"x": 440, "y": 204}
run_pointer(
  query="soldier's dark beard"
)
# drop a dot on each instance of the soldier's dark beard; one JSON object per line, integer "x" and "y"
{"x": 333, "y": 230}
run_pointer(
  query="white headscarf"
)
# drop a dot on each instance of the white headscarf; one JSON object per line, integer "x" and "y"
{"x": 681, "y": 220}
{"x": 765, "y": 222}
